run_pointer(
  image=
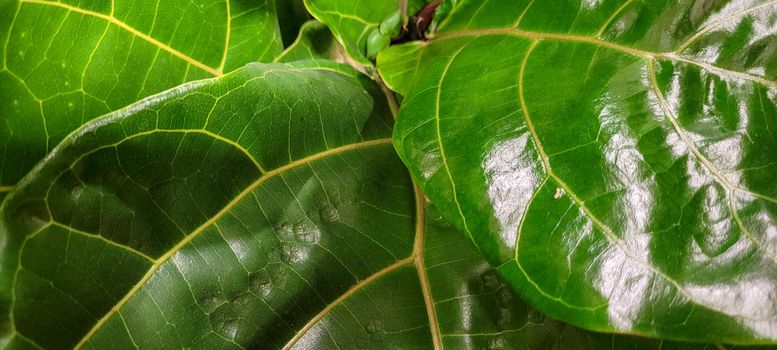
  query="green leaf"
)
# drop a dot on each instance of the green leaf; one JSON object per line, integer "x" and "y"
{"x": 615, "y": 159}
{"x": 65, "y": 63}
{"x": 250, "y": 211}
{"x": 314, "y": 42}
{"x": 476, "y": 308}
{"x": 213, "y": 200}
{"x": 352, "y": 22}
{"x": 292, "y": 15}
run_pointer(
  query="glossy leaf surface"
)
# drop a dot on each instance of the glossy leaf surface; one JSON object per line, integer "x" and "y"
{"x": 65, "y": 63}
{"x": 616, "y": 159}
{"x": 221, "y": 214}
{"x": 477, "y": 309}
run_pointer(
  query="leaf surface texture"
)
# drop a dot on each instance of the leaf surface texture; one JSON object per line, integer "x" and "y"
{"x": 615, "y": 159}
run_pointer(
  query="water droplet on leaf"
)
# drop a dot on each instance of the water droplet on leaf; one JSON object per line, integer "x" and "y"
{"x": 306, "y": 234}
{"x": 241, "y": 300}
{"x": 505, "y": 296}
{"x": 259, "y": 282}
{"x": 329, "y": 213}
{"x": 375, "y": 329}
{"x": 225, "y": 322}
{"x": 76, "y": 192}
{"x": 285, "y": 231}
{"x": 292, "y": 253}
{"x": 496, "y": 343}
{"x": 490, "y": 280}
{"x": 505, "y": 318}
{"x": 211, "y": 302}
{"x": 535, "y": 317}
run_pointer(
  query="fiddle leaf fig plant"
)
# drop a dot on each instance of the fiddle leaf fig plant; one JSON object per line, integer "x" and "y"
{"x": 617, "y": 164}
{"x": 64, "y": 64}
{"x": 344, "y": 174}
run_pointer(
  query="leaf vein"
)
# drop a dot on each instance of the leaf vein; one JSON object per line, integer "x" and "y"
{"x": 536, "y": 36}
{"x": 608, "y": 232}
{"x": 131, "y": 30}
{"x": 262, "y": 179}
{"x": 706, "y": 163}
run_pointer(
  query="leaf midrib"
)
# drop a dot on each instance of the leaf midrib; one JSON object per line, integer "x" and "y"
{"x": 539, "y": 36}
{"x": 227, "y": 39}
{"x": 113, "y": 20}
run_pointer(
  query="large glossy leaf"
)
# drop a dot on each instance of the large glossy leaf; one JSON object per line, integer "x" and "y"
{"x": 616, "y": 159}
{"x": 250, "y": 211}
{"x": 66, "y": 62}
{"x": 475, "y": 307}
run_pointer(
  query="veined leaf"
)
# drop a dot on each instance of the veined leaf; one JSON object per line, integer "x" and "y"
{"x": 251, "y": 211}
{"x": 477, "y": 309}
{"x": 616, "y": 159}
{"x": 65, "y": 63}
{"x": 219, "y": 202}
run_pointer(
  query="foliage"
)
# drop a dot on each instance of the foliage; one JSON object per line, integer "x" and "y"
{"x": 638, "y": 193}
{"x": 613, "y": 163}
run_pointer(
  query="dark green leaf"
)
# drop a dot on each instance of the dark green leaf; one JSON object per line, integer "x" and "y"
{"x": 616, "y": 159}
{"x": 220, "y": 201}
{"x": 315, "y": 41}
{"x": 251, "y": 211}
{"x": 65, "y": 63}
{"x": 291, "y": 16}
